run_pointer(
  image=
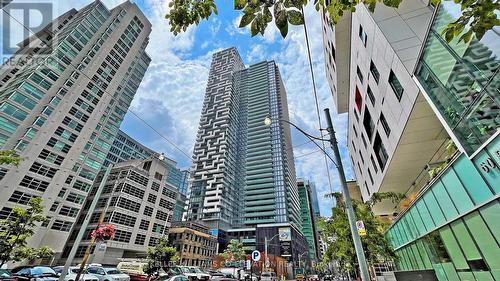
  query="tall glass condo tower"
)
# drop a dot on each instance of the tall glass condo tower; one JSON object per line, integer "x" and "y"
{"x": 243, "y": 172}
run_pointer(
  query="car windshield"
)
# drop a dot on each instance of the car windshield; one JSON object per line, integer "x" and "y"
{"x": 76, "y": 269}
{"x": 58, "y": 269}
{"x": 41, "y": 270}
{"x": 185, "y": 270}
{"x": 266, "y": 274}
{"x": 196, "y": 270}
{"x": 112, "y": 271}
{"x": 5, "y": 273}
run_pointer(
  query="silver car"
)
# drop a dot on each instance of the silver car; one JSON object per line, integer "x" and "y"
{"x": 72, "y": 272}
{"x": 108, "y": 273}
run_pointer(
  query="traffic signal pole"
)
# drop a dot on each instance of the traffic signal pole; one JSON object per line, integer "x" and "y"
{"x": 363, "y": 267}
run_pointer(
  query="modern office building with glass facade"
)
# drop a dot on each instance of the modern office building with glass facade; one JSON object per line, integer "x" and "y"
{"x": 126, "y": 148}
{"x": 243, "y": 172}
{"x": 307, "y": 213}
{"x": 62, "y": 113}
{"x": 453, "y": 227}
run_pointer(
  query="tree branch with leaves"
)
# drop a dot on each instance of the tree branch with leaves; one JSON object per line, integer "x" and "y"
{"x": 9, "y": 157}
{"x": 478, "y": 16}
{"x": 341, "y": 247}
{"x": 15, "y": 231}
{"x": 234, "y": 251}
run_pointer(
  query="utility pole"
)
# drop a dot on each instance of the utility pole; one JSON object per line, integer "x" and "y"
{"x": 84, "y": 225}
{"x": 363, "y": 268}
{"x": 266, "y": 259}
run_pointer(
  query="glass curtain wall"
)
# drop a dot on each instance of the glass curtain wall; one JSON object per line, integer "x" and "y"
{"x": 462, "y": 79}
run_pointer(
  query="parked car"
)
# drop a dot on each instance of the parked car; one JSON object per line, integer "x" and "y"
{"x": 108, "y": 273}
{"x": 225, "y": 279}
{"x": 72, "y": 272}
{"x": 35, "y": 273}
{"x": 172, "y": 278}
{"x": 268, "y": 276}
{"x": 313, "y": 278}
{"x": 299, "y": 276}
{"x": 192, "y": 272}
{"x": 6, "y": 275}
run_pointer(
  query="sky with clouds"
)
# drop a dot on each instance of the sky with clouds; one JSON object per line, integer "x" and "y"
{"x": 171, "y": 94}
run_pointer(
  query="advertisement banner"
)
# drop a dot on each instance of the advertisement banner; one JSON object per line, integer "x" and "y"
{"x": 285, "y": 233}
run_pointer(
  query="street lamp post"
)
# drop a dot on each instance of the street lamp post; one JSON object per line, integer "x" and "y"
{"x": 358, "y": 247}
{"x": 300, "y": 256}
{"x": 266, "y": 242}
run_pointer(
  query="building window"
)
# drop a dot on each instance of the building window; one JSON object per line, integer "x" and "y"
{"x": 380, "y": 152}
{"x": 370, "y": 95}
{"x": 370, "y": 175}
{"x": 384, "y": 124}
{"x": 362, "y": 35}
{"x": 144, "y": 225}
{"x": 368, "y": 124}
{"x": 361, "y": 157}
{"x": 140, "y": 239}
{"x": 148, "y": 211}
{"x": 396, "y": 85}
{"x": 358, "y": 99}
{"x": 367, "y": 189}
{"x": 374, "y": 71}
{"x": 364, "y": 140}
{"x": 373, "y": 164}
{"x": 355, "y": 131}
{"x": 151, "y": 198}
{"x": 360, "y": 75}
{"x": 122, "y": 236}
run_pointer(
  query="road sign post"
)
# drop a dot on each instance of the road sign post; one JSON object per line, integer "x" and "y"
{"x": 255, "y": 257}
{"x": 361, "y": 228}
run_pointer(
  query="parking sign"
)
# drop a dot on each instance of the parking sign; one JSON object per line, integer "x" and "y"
{"x": 256, "y": 255}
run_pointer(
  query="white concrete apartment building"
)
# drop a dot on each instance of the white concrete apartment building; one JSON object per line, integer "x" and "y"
{"x": 61, "y": 115}
{"x": 393, "y": 132}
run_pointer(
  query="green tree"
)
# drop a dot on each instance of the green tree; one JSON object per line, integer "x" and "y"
{"x": 15, "y": 231}
{"x": 477, "y": 15}
{"x": 9, "y": 157}
{"x": 160, "y": 256}
{"x": 341, "y": 248}
{"x": 234, "y": 251}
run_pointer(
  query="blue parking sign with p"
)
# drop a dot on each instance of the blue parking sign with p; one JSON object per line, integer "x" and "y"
{"x": 255, "y": 255}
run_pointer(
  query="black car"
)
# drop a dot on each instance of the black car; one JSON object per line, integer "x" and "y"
{"x": 35, "y": 273}
{"x": 6, "y": 275}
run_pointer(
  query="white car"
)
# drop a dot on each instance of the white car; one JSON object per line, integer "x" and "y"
{"x": 268, "y": 276}
{"x": 72, "y": 271}
{"x": 191, "y": 272}
{"x": 108, "y": 273}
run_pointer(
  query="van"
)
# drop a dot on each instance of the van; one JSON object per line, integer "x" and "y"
{"x": 134, "y": 269}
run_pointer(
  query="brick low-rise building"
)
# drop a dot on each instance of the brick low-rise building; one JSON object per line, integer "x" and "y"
{"x": 194, "y": 243}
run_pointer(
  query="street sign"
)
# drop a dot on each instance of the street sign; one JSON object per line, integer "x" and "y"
{"x": 361, "y": 228}
{"x": 360, "y": 225}
{"x": 256, "y": 255}
{"x": 102, "y": 247}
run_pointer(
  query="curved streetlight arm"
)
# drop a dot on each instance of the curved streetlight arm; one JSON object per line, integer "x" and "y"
{"x": 268, "y": 122}
{"x": 299, "y": 129}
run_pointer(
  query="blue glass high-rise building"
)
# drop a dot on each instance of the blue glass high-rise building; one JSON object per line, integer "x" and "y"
{"x": 243, "y": 172}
